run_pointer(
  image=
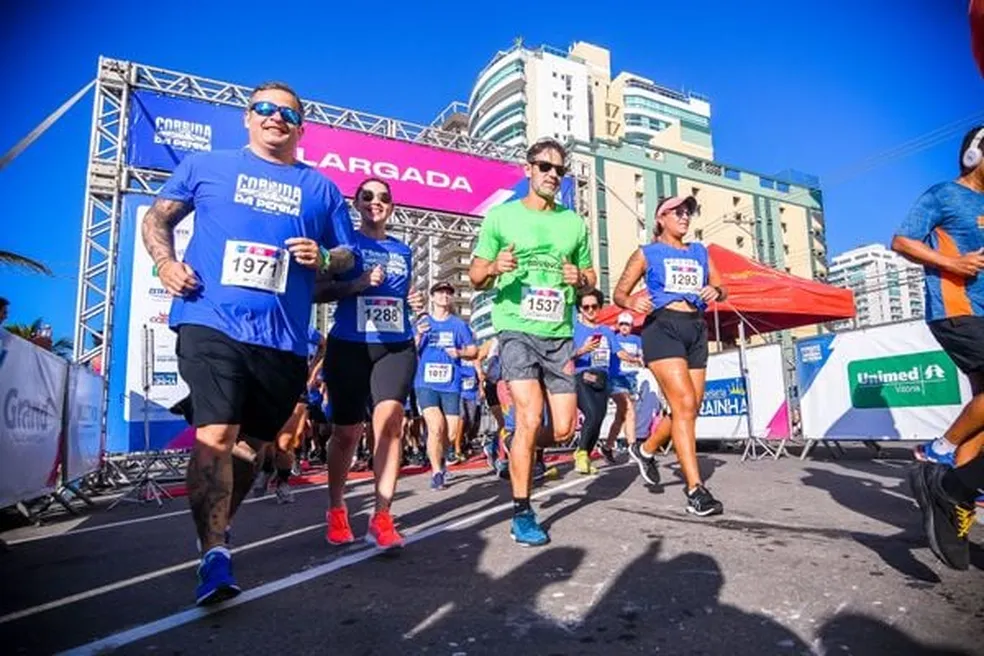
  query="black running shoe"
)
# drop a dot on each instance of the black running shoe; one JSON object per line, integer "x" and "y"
{"x": 701, "y": 503}
{"x": 647, "y": 465}
{"x": 947, "y": 522}
{"x": 608, "y": 454}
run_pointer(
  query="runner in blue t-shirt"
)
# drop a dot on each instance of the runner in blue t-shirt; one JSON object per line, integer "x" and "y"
{"x": 627, "y": 363}
{"x": 944, "y": 232}
{"x": 470, "y": 410}
{"x": 370, "y": 361}
{"x": 594, "y": 365}
{"x": 443, "y": 339}
{"x": 680, "y": 281}
{"x": 263, "y": 225}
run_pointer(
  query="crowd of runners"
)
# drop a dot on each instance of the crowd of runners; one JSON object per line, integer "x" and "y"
{"x": 272, "y": 235}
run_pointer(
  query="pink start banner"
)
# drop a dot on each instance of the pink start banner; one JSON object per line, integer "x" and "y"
{"x": 420, "y": 176}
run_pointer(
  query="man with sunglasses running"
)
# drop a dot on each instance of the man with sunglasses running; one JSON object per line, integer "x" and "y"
{"x": 242, "y": 301}
{"x": 537, "y": 255}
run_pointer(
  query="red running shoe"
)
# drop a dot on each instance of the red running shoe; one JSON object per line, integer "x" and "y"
{"x": 382, "y": 533}
{"x": 338, "y": 532}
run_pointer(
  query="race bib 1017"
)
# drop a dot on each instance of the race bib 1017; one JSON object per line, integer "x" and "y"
{"x": 437, "y": 373}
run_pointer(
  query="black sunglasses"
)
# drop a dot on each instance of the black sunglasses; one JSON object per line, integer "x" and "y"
{"x": 593, "y": 306}
{"x": 544, "y": 167}
{"x": 266, "y": 108}
{"x": 384, "y": 196}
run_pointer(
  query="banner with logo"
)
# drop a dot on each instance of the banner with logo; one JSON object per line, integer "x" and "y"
{"x": 142, "y": 302}
{"x": 84, "y": 439}
{"x": 164, "y": 129}
{"x": 724, "y": 412}
{"x": 886, "y": 383}
{"x": 32, "y": 391}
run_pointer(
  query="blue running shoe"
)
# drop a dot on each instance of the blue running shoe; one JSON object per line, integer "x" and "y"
{"x": 926, "y": 453}
{"x": 526, "y": 531}
{"x": 228, "y": 540}
{"x": 437, "y": 481}
{"x": 489, "y": 450}
{"x": 215, "y": 580}
{"x": 502, "y": 469}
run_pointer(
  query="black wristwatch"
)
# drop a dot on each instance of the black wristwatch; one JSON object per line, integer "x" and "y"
{"x": 720, "y": 293}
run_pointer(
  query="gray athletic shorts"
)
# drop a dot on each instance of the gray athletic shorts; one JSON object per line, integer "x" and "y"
{"x": 528, "y": 357}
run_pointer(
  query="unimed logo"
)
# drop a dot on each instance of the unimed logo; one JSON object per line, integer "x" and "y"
{"x": 904, "y": 381}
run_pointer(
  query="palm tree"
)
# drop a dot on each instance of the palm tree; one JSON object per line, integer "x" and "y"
{"x": 61, "y": 347}
{"x": 13, "y": 259}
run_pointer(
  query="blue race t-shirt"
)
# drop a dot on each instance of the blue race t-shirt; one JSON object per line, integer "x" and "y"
{"x": 601, "y": 357}
{"x": 676, "y": 274}
{"x": 949, "y": 218}
{"x": 631, "y": 344}
{"x": 377, "y": 315}
{"x": 245, "y": 208}
{"x": 436, "y": 369}
{"x": 469, "y": 380}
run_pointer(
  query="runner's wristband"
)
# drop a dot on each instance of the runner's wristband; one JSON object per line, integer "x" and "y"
{"x": 325, "y": 259}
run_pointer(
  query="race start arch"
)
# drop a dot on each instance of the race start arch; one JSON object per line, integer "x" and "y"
{"x": 146, "y": 119}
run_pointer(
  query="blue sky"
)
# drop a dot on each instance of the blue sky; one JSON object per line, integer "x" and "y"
{"x": 818, "y": 87}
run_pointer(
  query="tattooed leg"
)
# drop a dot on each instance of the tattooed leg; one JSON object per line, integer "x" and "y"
{"x": 210, "y": 482}
{"x": 244, "y": 472}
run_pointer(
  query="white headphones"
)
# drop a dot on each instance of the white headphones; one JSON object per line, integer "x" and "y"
{"x": 973, "y": 156}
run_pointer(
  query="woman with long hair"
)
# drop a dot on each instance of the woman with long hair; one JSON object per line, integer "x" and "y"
{"x": 369, "y": 364}
{"x": 680, "y": 281}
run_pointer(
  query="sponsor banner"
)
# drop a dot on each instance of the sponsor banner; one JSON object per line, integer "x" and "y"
{"x": 141, "y": 301}
{"x": 887, "y": 383}
{"x": 165, "y": 129}
{"x": 32, "y": 398}
{"x": 85, "y": 442}
{"x": 724, "y": 411}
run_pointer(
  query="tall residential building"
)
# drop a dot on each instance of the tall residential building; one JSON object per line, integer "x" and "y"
{"x": 527, "y": 93}
{"x": 887, "y": 287}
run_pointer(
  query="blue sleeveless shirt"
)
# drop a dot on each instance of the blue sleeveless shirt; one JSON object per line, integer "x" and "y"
{"x": 676, "y": 274}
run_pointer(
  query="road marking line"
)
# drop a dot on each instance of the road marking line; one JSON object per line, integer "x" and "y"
{"x": 149, "y": 576}
{"x": 181, "y": 618}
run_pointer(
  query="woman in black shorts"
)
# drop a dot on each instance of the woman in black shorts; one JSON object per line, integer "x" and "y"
{"x": 370, "y": 360}
{"x": 681, "y": 280}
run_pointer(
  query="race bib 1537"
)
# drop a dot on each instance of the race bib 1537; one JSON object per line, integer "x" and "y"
{"x": 542, "y": 304}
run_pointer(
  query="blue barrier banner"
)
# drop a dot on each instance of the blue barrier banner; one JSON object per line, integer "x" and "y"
{"x": 84, "y": 440}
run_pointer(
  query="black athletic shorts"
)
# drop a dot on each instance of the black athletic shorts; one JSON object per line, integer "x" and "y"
{"x": 360, "y": 375}
{"x": 232, "y": 382}
{"x": 675, "y": 334}
{"x": 963, "y": 340}
{"x": 491, "y": 394}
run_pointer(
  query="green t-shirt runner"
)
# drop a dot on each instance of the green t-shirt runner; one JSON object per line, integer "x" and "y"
{"x": 533, "y": 299}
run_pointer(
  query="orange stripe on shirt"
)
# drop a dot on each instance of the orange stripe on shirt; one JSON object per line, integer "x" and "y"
{"x": 956, "y": 303}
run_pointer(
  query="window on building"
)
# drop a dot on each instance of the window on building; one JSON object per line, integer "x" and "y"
{"x": 740, "y": 241}
{"x": 735, "y": 200}
{"x": 783, "y": 224}
{"x": 694, "y": 191}
{"x": 698, "y": 234}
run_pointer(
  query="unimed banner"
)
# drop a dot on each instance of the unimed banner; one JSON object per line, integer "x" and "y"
{"x": 142, "y": 301}
{"x": 32, "y": 391}
{"x": 886, "y": 383}
{"x": 84, "y": 439}
{"x": 165, "y": 129}
{"x": 724, "y": 412}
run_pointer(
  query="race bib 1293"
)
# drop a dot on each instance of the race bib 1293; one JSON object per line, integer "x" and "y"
{"x": 683, "y": 276}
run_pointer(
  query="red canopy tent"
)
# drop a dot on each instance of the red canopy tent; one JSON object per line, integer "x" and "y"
{"x": 767, "y": 299}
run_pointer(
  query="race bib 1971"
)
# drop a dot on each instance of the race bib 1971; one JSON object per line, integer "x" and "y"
{"x": 683, "y": 275}
{"x": 542, "y": 304}
{"x": 255, "y": 265}
{"x": 380, "y": 314}
{"x": 438, "y": 373}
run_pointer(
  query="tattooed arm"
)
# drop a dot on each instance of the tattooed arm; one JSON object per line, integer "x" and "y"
{"x": 342, "y": 259}
{"x": 158, "y": 237}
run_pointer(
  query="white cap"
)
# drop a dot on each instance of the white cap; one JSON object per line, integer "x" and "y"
{"x": 625, "y": 317}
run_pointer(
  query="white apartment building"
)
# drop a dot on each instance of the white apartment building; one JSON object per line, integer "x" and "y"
{"x": 887, "y": 287}
{"x": 525, "y": 93}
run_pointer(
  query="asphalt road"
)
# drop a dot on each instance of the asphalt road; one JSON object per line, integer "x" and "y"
{"x": 816, "y": 557}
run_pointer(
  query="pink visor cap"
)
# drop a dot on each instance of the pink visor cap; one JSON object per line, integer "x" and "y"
{"x": 671, "y": 204}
